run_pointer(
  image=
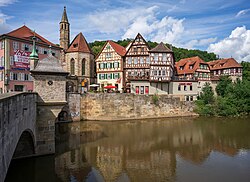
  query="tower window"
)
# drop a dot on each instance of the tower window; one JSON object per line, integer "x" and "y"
{"x": 83, "y": 66}
{"x": 75, "y": 45}
{"x": 72, "y": 67}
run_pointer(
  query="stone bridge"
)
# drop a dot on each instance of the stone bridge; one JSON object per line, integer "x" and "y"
{"x": 17, "y": 128}
{"x": 27, "y": 128}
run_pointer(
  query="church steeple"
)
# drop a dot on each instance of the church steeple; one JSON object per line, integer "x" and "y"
{"x": 64, "y": 30}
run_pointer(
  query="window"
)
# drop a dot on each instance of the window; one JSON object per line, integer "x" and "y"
{"x": 83, "y": 66}
{"x": 22, "y": 76}
{"x": 142, "y": 89}
{"x": 26, "y": 47}
{"x": 101, "y": 65}
{"x": 116, "y": 75}
{"x": 137, "y": 89}
{"x": 108, "y": 55}
{"x": 11, "y": 60}
{"x": 187, "y": 98}
{"x": 15, "y": 76}
{"x": 141, "y": 60}
{"x": 181, "y": 67}
{"x": 163, "y": 72}
{"x": 164, "y": 57}
{"x": 179, "y": 87}
{"x": 109, "y": 76}
{"x": 135, "y": 60}
{"x": 156, "y": 57}
{"x": 135, "y": 49}
{"x": 116, "y": 65}
{"x": 190, "y": 66}
{"x": 147, "y": 60}
{"x": 108, "y": 65}
{"x": 142, "y": 49}
{"x": 15, "y": 45}
{"x": 45, "y": 51}
{"x": 102, "y": 76}
{"x": 159, "y": 72}
{"x": 108, "y": 47}
{"x": 26, "y": 77}
{"x": 129, "y": 60}
{"x": 191, "y": 87}
{"x": 155, "y": 72}
{"x": 72, "y": 67}
{"x": 191, "y": 98}
{"x": 146, "y": 90}
{"x": 2, "y": 61}
{"x": 185, "y": 87}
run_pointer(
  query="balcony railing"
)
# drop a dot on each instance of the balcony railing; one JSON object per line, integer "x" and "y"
{"x": 138, "y": 77}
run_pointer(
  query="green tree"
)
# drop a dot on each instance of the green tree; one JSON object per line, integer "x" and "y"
{"x": 207, "y": 94}
{"x": 225, "y": 83}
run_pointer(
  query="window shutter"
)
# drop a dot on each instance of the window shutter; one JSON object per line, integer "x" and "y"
{"x": 100, "y": 76}
{"x": 11, "y": 75}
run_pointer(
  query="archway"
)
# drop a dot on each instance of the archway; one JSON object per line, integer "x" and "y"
{"x": 63, "y": 116}
{"x": 70, "y": 86}
{"x": 25, "y": 146}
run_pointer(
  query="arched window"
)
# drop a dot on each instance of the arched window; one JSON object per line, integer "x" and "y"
{"x": 83, "y": 66}
{"x": 72, "y": 66}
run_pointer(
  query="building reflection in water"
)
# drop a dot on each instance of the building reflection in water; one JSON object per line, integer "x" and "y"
{"x": 143, "y": 151}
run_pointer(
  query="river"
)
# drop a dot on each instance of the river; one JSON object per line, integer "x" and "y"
{"x": 172, "y": 149}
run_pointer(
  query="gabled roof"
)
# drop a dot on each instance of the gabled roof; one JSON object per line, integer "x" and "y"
{"x": 186, "y": 63}
{"x": 118, "y": 48}
{"x": 79, "y": 44}
{"x": 27, "y": 34}
{"x": 131, "y": 44}
{"x": 64, "y": 16}
{"x": 161, "y": 48}
{"x": 223, "y": 64}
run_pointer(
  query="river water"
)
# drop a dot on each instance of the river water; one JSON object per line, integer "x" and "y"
{"x": 176, "y": 149}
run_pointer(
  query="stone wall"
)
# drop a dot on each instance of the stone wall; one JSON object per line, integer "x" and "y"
{"x": 17, "y": 115}
{"x": 116, "y": 106}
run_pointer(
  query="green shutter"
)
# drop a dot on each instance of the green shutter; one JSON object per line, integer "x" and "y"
{"x": 100, "y": 76}
{"x": 118, "y": 74}
{"x": 118, "y": 64}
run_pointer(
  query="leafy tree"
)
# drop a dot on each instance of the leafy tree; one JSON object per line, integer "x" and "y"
{"x": 207, "y": 94}
{"x": 223, "y": 86}
{"x": 246, "y": 70}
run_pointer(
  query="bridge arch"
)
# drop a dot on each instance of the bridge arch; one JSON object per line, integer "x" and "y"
{"x": 26, "y": 145}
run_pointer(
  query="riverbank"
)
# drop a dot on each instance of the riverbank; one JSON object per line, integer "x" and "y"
{"x": 117, "y": 106}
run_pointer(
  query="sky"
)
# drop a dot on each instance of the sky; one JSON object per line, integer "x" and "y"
{"x": 219, "y": 26}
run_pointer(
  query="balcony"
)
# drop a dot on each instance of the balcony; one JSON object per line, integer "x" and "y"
{"x": 138, "y": 77}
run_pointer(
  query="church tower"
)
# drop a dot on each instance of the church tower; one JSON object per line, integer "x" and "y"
{"x": 64, "y": 31}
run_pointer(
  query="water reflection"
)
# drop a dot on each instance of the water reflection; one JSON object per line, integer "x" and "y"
{"x": 184, "y": 149}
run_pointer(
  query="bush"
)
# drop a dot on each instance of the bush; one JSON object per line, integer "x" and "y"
{"x": 155, "y": 99}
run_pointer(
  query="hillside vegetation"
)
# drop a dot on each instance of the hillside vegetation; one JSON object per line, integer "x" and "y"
{"x": 178, "y": 52}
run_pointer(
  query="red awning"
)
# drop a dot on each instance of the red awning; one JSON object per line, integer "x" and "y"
{"x": 110, "y": 86}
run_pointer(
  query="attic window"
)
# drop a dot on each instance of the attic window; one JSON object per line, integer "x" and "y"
{"x": 191, "y": 66}
{"x": 181, "y": 67}
{"x": 75, "y": 45}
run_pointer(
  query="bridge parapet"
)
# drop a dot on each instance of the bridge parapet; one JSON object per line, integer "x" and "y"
{"x": 17, "y": 121}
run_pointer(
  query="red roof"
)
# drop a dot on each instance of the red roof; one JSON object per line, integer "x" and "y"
{"x": 118, "y": 48}
{"x": 186, "y": 63}
{"x": 25, "y": 33}
{"x": 79, "y": 44}
{"x": 224, "y": 64}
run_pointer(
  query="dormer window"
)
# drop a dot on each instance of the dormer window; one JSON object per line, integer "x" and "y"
{"x": 181, "y": 67}
{"x": 191, "y": 66}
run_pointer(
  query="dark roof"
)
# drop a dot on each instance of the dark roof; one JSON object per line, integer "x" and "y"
{"x": 161, "y": 48}
{"x": 49, "y": 65}
{"x": 64, "y": 16}
{"x": 186, "y": 63}
{"x": 79, "y": 44}
{"x": 25, "y": 33}
{"x": 223, "y": 64}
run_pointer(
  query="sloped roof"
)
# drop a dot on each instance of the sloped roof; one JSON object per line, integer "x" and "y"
{"x": 186, "y": 63}
{"x": 64, "y": 16}
{"x": 224, "y": 64}
{"x": 118, "y": 48}
{"x": 161, "y": 48}
{"x": 25, "y": 33}
{"x": 79, "y": 44}
{"x": 132, "y": 43}
{"x": 49, "y": 65}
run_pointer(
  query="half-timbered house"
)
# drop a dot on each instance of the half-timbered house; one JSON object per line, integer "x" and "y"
{"x": 137, "y": 63}
{"x": 109, "y": 66}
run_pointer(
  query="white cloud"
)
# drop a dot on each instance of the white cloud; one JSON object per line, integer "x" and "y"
{"x": 3, "y": 26}
{"x": 242, "y": 12}
{"x": 6, "y": 2}
{"x": 202, "y": 42}
{"x": 236, "y": 45}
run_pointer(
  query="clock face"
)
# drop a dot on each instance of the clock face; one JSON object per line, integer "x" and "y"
{"x": 50, "y": 82}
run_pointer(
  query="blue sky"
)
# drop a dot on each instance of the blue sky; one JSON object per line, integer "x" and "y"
{"x": 217, "y": 26}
